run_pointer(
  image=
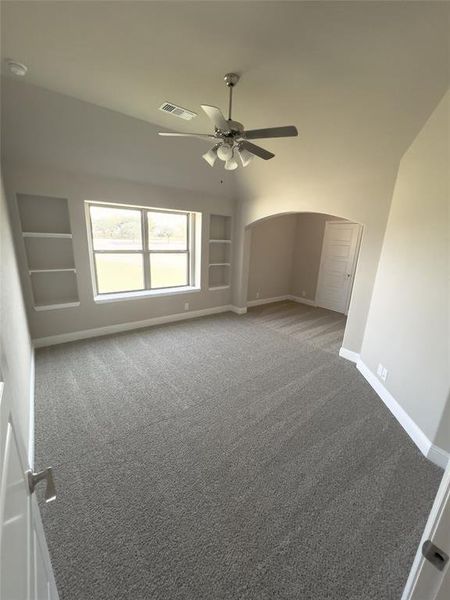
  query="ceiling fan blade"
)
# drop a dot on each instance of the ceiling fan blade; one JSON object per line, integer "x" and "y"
{"x": 271, "y": 132}
{"x": 216, "y": 116}
{"x": 256, "y": 150}
{"x": 202, "y": 136}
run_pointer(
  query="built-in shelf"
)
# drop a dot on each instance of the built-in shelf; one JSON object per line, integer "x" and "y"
{"x": 51, "y": 271}
{"x": 39, "y": 234}
{"x": 47, "y": 239}
{"x": 220, "y": 227}
{"x": 219, "y": 252}
{"x": 39, "y": 307}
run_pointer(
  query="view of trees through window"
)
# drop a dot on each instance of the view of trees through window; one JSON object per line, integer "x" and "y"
{"x": 137, "y": 249}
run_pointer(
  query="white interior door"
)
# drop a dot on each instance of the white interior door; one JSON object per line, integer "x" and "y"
{"x": 430, "y": 579}
{"x": 337, "y": 265}
{"x": 25, "y": 568}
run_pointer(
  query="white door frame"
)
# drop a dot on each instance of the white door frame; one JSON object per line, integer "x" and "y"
{"x": 354, "y": 264}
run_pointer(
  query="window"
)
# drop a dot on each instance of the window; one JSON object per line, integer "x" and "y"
{"x": 138, "y": 249}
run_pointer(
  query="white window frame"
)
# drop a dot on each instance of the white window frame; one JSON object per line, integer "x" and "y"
{"x": 193, "y": 233}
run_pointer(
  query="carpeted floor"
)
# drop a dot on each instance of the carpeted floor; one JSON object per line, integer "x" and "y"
{"x": 226, "y": 458}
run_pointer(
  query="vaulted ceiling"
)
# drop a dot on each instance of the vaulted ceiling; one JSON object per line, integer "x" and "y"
{"x": 357, "y": 78}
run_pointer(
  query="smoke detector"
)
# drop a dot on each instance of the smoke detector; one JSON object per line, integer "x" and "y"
{"x": 178, "y": 111}
{"x": 17, "y": 68}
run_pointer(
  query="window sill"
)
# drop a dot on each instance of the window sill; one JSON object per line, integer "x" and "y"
{"x": 120, "y": 296}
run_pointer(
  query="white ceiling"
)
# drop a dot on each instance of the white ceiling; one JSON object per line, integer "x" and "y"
{"x": 358, "y": 79}
{"x": 370, "y": 66}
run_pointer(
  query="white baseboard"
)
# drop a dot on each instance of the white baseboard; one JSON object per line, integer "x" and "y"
{"x": 238, "y": 310}
{"x": 301, "y": 300}
{"x": 349, "y": 355}
{"x": 298, "y": 299}
{"x": 438, "y": 456}
{"x": 259, "y": 301}
{"x": 98, "y": 331}
{"x": 433, "y": 453}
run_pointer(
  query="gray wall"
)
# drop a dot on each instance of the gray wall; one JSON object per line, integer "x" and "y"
{"x": 78, "y": 188}
{"x": 408, "y": 323}
{"x": 66, "y": 134}
{"x": 362, "y": 196}
{"x": 285, "y": 255}
{"x": 16, "y": 353}
{"x": 54, "y": 145}
{"x": 271, "y": 257}
{"x": 307, "y": 252}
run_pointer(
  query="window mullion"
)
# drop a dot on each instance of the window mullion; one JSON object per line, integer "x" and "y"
{"x": 147, "y": 276}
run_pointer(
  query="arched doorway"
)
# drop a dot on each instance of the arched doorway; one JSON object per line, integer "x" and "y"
{"x": 304, "y": 258}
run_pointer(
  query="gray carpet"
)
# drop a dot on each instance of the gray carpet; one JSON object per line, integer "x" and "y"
{"x": 226, "y": 458}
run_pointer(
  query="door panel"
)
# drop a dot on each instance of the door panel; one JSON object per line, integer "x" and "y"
{"x": 337, "y": 265}
{"x": 425, "y": 581}
{"x": 41, "y": 580}
{"x": 25, "y": 568}
{"x": 14, "y": 551}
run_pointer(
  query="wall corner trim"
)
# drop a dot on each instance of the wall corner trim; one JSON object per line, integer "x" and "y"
{"x": 238, "y": 309}
{"x": 260, "y": 301}
{"x": 438, "y": 456}
{"x": 290, "y": 297}
{"x": 349, "y": 355}
{"x": 301, "y": 300}
{"x": 72, "y": 336}
{"x": 435, "y": 454}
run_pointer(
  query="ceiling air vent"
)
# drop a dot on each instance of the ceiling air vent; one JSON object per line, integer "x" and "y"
{"x": 178, "y": 111}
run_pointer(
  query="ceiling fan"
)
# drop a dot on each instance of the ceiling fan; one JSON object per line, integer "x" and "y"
{"x": 231, "y": 140}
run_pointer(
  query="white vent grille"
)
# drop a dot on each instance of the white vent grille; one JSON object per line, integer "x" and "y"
{"x": 178, "y": 111}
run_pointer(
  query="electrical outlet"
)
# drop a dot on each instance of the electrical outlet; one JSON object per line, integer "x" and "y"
{"x": 257, "y": 293}
{"x": 303, "y": 294}
{"x": 186, "y": 306}
{"x": 384, "y": 374}
{"x": 379, "y": 369}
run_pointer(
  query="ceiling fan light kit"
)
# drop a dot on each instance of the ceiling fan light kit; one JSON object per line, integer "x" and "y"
{"x": 230, "y": 137}
{"x": 211, "y": 155}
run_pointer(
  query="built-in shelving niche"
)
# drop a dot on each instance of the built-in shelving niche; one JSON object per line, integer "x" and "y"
{"x": 47, "y": 238}
{"x": 219, "y": 266}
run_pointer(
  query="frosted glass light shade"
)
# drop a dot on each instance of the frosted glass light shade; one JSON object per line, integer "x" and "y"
{"x": 245, "y": 156}
{"x": 224, "y": 152}
{"x": 211, "y": 156}
{"x": 231, "y": 164}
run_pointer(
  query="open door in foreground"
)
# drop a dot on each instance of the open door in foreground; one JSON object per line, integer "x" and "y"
{"x": 429, "y": 578}
{"x": 25, "y": 568}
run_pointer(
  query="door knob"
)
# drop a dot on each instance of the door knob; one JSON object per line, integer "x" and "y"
{"x": 47, "y": 475}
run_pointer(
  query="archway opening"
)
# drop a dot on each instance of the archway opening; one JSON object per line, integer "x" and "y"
{"x": 301, "y": 268}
